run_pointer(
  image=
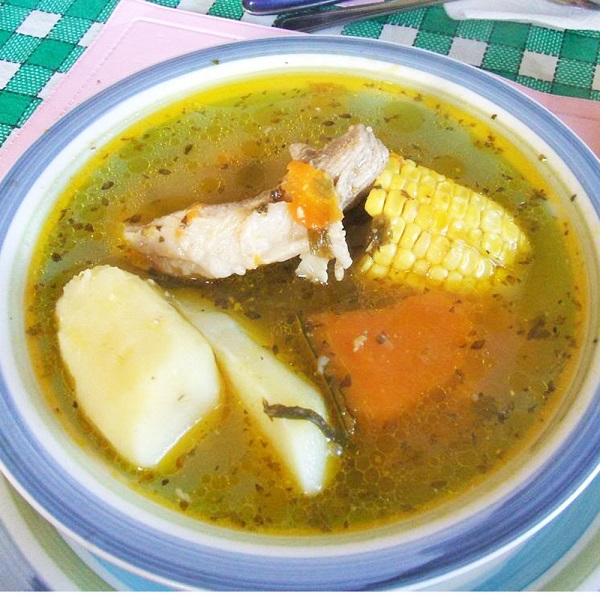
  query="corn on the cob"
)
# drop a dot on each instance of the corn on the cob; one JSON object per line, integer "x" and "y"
{"x": 429, "y": 229}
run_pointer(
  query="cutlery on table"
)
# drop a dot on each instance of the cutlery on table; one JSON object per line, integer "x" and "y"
{"x": 312, "y": 21}
{"x": 271, "y": 7}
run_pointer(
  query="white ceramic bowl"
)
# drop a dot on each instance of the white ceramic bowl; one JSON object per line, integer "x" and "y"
{"x": 455, "y": 547}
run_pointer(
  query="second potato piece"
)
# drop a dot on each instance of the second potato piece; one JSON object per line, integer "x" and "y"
{"x": 256, "y": 376}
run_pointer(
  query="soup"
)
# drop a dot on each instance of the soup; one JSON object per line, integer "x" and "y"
{"x": 447, "y": 427}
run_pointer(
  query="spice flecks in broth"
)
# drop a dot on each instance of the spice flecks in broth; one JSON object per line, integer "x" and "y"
{"x": 231, "y": 143}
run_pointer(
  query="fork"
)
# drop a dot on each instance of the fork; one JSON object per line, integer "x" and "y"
{"x": 312, "y": 21}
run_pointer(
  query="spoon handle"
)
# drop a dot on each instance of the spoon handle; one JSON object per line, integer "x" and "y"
{"x": 327, "y": 18}
{"x": 272, "y": 7}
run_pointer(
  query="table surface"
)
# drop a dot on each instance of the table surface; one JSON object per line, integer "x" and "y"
{"x": 40, "y": 40}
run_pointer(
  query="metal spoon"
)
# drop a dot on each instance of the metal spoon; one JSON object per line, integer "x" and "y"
{"x": 312, "y": 21}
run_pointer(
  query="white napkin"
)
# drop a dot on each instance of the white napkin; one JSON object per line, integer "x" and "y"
{"x": 537, "y": 12}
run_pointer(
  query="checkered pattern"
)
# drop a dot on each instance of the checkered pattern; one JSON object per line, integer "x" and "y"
{"x": 548, "y": 60}
{"x": 41, "y": 39}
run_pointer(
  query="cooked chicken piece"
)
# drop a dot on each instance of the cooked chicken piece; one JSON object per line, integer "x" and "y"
{"x": 350, "y": 160}
{"x": 217, "y": 240}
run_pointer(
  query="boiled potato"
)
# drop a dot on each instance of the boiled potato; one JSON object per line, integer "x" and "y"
{"x": 256, "y": 375}
{"x": 143, "y": 375}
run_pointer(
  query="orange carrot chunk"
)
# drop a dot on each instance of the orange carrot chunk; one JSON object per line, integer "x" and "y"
{"x": 311, "y": 194}
{"x": 387, "y": 360}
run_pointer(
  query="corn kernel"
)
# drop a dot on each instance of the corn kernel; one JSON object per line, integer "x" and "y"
{"x": 478, "y": 202}
{"x": 403, "y": 260}
{"x": 413, "y": 280}
{"x": 454, "y": 280}
{"x": 453, "y": 257}
{"x": 385, "y": 179}
{"x": 469, "y": 261}
{"x": 412, "y": 188}
{"x": 440, "y": 221}
{"x": 492, "y": 243}
{"x": 375, "y": 201}
{"x": 491, "y": 220}
{"x": 386, "y": 254}
{"x": 510, "y": 232}
{"x": 366, "y": 263}
{"x": 509, "y": 254}
{"x": 485, "y": 269}
{"x": 394, "y": 163}
{"x": 439, "y": 247}
{"x": 410, "y": 235}
{"x": 421, "y": 267}
{"x": 424, "y": 216}
{"x": 410, "y": 170}
{"x": 474, "y": 237}
{"x": 441, "y": 199}
{"x": 473, "y": 216}
{"x": 410, "y": 211}
{"x": 397, "y": 225}
{"x": 378, "y": 271}
{"x": 458, "y": 207}
{"x": 427, "y": 186}
{"x": 456, "y": 229}
{"x": 394, "y": 203}
{"x": 422, "y": 244}
{"x": 398, "y": 182}
{"x": 446, "y": 188}
{"x": 438, "y": 273}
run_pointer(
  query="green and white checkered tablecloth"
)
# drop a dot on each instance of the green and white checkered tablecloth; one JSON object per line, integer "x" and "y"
{"x": 41, "y": 39}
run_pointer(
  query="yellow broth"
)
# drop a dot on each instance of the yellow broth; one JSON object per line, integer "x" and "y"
{"x": 231, "y": 143}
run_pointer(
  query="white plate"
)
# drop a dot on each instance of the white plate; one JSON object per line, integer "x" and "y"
{"x": 34, "y": 556}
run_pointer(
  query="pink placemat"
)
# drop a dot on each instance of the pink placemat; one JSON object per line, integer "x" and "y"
{"x": 140, "y": 34}
{"x": 137, "y": 35}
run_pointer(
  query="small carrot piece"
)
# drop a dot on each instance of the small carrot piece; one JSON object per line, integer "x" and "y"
{"x": 387, "y": 360}
{"x": 311, "y": 194}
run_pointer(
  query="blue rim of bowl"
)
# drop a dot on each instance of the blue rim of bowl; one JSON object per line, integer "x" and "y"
{"x": 166, "y": 558}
